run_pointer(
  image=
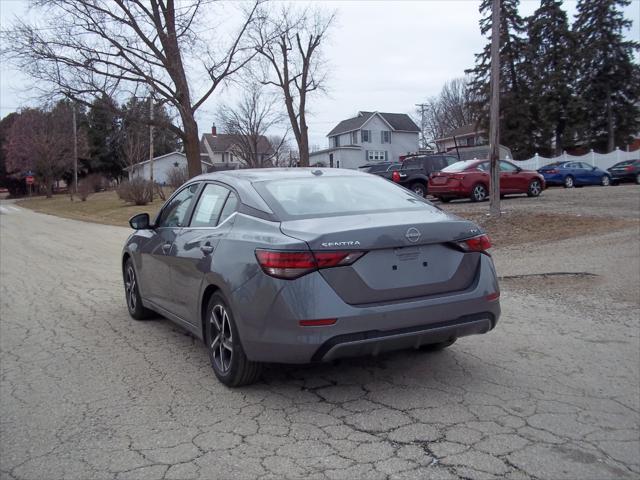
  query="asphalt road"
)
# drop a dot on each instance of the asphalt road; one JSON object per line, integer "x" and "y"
{"x": 88, "y": 393}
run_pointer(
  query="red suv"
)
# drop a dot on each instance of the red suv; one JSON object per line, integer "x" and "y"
{"x": 470, "y": 179}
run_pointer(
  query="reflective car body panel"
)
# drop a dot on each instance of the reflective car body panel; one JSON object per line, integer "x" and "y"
{"x": 582, "y": 173}
{"x": 412, "y": 284}
{"x": 458, "y": 180}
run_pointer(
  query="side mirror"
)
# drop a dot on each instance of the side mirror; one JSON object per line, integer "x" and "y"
{"x": 140, "y": 221}
{"x": 594, "y": 168}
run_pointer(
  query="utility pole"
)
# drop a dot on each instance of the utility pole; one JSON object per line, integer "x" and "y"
{"x": 75, "y": 152}
{"x": 424, "y": 140}
{"x": 494, "y": 112}
{"x": 151, "y": 144}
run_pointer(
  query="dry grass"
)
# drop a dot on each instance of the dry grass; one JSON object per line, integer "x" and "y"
{"x": 514, "y": 228}
{"x": 103, "y": 207}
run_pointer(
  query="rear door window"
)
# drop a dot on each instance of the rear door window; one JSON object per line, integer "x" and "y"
{"x": 209, "y": 206}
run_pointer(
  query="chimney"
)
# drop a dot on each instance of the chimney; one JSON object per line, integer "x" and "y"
{"x": 213, "y": 130}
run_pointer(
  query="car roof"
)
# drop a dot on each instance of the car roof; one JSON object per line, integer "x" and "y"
{"x": 242, "y": 180}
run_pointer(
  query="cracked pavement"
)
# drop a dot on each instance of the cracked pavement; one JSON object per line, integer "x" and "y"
{"x": 88, "y": 393}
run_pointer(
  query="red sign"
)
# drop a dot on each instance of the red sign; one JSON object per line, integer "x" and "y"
{"x": 29, "y": 179}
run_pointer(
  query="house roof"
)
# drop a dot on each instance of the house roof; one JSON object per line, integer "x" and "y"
{"x": 224, "y": 142}
{"x": 397, "y": 121}
{"x": 160, "y": 157}
{"x": 465, "y": 130}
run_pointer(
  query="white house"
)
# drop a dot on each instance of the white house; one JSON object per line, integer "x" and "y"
{"x": 466, "y": 136}
{"x": 162, "y": 165}
{"x": 368, "y": 137}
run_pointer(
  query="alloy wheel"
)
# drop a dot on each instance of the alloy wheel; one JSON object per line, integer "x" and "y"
{"x": 479, "y": 193}
{"x": 535, "y": 188}
{"x": 222, "y": 338}
{"x": 568, "y": 182}
{"x": 130, "y": 287}
{"x": 605, "y": 181}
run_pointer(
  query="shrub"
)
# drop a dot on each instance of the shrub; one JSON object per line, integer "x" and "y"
{"x": 177, "y": 176}
{"x": 159, "y": 190}
{"x": 92, "y": 183}
{"x": 137, "y": 191}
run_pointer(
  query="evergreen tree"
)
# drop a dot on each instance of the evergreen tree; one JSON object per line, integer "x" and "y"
{"x": 135, "y": 115}
{"x": 549, "y": 71}
{"x": 608, "y": 81}
{"x": 515, "y": 126}
{"x": 104, "y": 132}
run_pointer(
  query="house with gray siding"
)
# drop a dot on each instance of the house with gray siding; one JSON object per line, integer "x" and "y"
{"x": 368, "y": 137}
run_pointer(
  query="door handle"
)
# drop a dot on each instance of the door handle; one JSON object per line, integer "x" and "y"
{"x": 206, "y": 249}
{"x": 166, "y": 247}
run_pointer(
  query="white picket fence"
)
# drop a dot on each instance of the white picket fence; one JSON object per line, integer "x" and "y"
{"x": 600, "y": 160}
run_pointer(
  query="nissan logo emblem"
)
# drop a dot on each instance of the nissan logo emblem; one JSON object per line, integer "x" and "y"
{"x": 413, "y": 235}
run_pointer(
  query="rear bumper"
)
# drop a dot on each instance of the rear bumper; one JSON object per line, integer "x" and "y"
{"x": 623, "y": 177}
{"x": 451, "y": 189}
{"x": 268, "y": 312}
{"x": 373, "y": 342}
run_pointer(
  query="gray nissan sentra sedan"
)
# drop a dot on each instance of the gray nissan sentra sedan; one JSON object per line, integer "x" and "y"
{"x": 308, "y": 265}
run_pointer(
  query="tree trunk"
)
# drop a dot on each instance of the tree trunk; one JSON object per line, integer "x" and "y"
{"x": 192, "y": 147}
{"x": 49, "y": 188}
{"x": 303, "y": 147}
{"x": 610, "y": 135}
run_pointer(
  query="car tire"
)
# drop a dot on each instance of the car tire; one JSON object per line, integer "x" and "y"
{"x": 436, "y": 347}
{"x": 419, "y": 189}
{"x": 228, "y": 360}
{"x": 132, "y": 293}
{"x": 605, "y": 181}
{"x": 478, "y": 193}
{"x": 535, "y": 188}
{"x": 638, "y": 178}
{"x": 569, "y": 182}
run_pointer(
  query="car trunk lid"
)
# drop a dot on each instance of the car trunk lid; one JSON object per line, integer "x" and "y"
{"x": 409, "y": 254}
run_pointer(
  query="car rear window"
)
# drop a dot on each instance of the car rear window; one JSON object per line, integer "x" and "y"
{"x": 333, "y": 196}
{"x": 459, "y": 166}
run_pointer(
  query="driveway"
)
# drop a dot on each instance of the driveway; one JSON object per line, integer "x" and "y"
{"x": 88, "y": 393}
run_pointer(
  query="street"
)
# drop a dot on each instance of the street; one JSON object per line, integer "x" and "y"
{"x": 88, "y": 393}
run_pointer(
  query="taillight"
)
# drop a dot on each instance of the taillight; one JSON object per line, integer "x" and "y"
{"x": 395, "y": 176}
{"x": 629, "y": 168}
{"x": 290, "y": 265}
{"x": 553, "y": 170}
{"x": 481, "y": 244}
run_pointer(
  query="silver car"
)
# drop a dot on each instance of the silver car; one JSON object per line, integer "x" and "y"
{"x": 308, "y": 265}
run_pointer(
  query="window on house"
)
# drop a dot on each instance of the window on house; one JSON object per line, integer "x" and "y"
{"x": 376, "y": 155}
{"x": 385, "y": 136}
{"x": 336, "y": 141}
{"x": 354, "y": 138}
{"x": 366, "y": 136}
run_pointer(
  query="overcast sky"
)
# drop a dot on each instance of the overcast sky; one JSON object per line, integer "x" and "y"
{"x": 382, "y": 55}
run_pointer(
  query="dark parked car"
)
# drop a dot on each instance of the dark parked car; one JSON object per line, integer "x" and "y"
{"x": 383, "y": 169}
{"x": 627, "y": 171}
{"x": 470, "y": 179}
{"x": 415, "y": 171}
{"x": 308, "y": 265}
{"x": 574, "y": 174}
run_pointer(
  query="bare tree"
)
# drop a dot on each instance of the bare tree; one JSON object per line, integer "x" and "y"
{"x": 289, "y": 40}
{"x": 41, "y": 141}
{"x": 283, "y": 154}
{"x": 449, "y": 110}
{"x": 92, "y": 48}
{"x": 250, "y": 120}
